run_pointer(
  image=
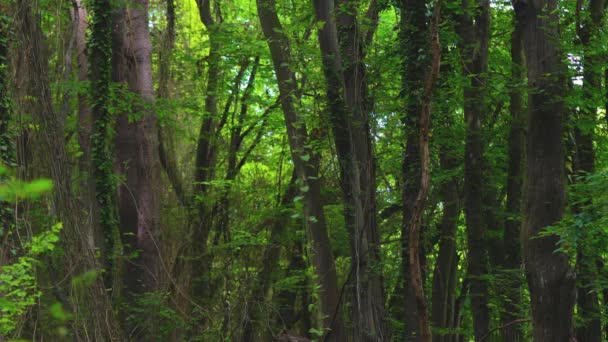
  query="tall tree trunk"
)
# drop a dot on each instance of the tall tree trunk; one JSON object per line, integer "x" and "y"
{"x": 33, "y": 96}
{"x": 137, "y": 149}
{"x": 587, "y": 297}
{"x": 100, "y": 72}
{"x": 511, "y": 262}
{"x": 446, "y": 266}
{"x": 425, "y": 177}
{"x": 474, "y": 30}
{"x": 85, "y": 127}
{"x": 7, "y": 147}
{"x": 166, "y": 137}
{"x": 413, "y": 37}
{"x": 342, "y": 54}
{"x": 205, "y": 158}
{"x": 306, "y": 164}
{"x": 550, "y": 278}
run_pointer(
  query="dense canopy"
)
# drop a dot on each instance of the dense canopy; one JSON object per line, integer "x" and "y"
{"x": 304, "y": 170}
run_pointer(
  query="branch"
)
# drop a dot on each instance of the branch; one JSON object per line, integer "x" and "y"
{"x": 517, "y": 321}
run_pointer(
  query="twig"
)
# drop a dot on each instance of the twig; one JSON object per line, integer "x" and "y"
{"x": 517, "y": 321}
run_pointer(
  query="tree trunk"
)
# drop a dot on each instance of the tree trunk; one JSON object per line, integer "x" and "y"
{"x": 446, "y": 266}
{"x": 474, "y": 30}
{"x": 137, "y": 149}
{"x": 511, "y": 262}
{"x": 7, "y": 147}
{"x": 550, "y": 278}
{"x": 206, "y": 152}
{"x": 166, "y": 139}
{"x": 413, "y": 38}
{"x": 587, "y": 297}
{"x": 425, "y": 177}
{"x": 33, "y": 95}
{"x": 306, "y": 164}
{"x": 342, "y": 55}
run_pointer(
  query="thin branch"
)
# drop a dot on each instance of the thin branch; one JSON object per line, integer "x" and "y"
{"x": 517, "y": 321}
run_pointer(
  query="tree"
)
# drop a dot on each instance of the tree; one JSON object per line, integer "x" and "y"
{"x": 342, "y": 43}
{"x": 550, "y": 278}
{"x": 137, "y": 148}
{"x": 413, "y": 35}
{"x": 587, "y": 297}
{"x": 306, "y": 165}
{"x": 511, "y": 262}
{"x": 474, "y": 31}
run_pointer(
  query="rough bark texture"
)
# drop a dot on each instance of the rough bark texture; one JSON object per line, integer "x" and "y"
{"x": 342, "y": 53}
{"x": 137, "y": 148}
{"x": 413, "y": 38}
{"x": 306, "y": 165}
{"x": 511, "y": 262}
{"x": 550, "y": 279}
{"x": 474, "y": 30}
{"x": 94, "y": 318}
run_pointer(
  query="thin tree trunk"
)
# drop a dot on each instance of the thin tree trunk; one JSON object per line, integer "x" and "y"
{"x": 474, "y": 30}
{"x": 425, "y": 177}
{"x": 7, "y": 147}
{"x": 85, "y": 127}
{"x": 446, "y": 266}
{"x": 550, "y": 278}
{"x": 511, "y": 262}
{"x": 166, "y": 137}
{"x": 205, "y": 159}
{"x": 306, "y": 165}
{"x": 413, "y": 37}
{"x": 342, "y": 55}
{"x": 587, "y": 297}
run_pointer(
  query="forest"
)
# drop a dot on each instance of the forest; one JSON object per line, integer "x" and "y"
{"x": 295, "y": 170}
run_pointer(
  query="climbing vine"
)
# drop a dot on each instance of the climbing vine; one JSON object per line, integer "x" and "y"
{"x": 100, "y": 54}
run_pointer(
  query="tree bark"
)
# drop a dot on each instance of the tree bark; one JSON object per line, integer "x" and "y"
{"x": 7, "y": 147}
{"x": 206, "y": 155}
{"x": 33, "y": 95}
{"x": 306, "y": 164}
{"x": 425, "y": 176}
{"x": 474, "y": 30}
{"x": 413, "y": 38}
{"x": 511, "y": 262}
{"x": 446, "y": 266}
{"x": 550, "y": 278}
{"x": 342, "y": 54}
{"x": 137, "y": 149}
{"x": 166, "y": 139}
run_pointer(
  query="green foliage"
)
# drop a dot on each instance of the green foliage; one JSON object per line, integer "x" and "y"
{"x": 586, "y": 227}
{"x": 18, "y": 284}
{"x": 150, "y": 312}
